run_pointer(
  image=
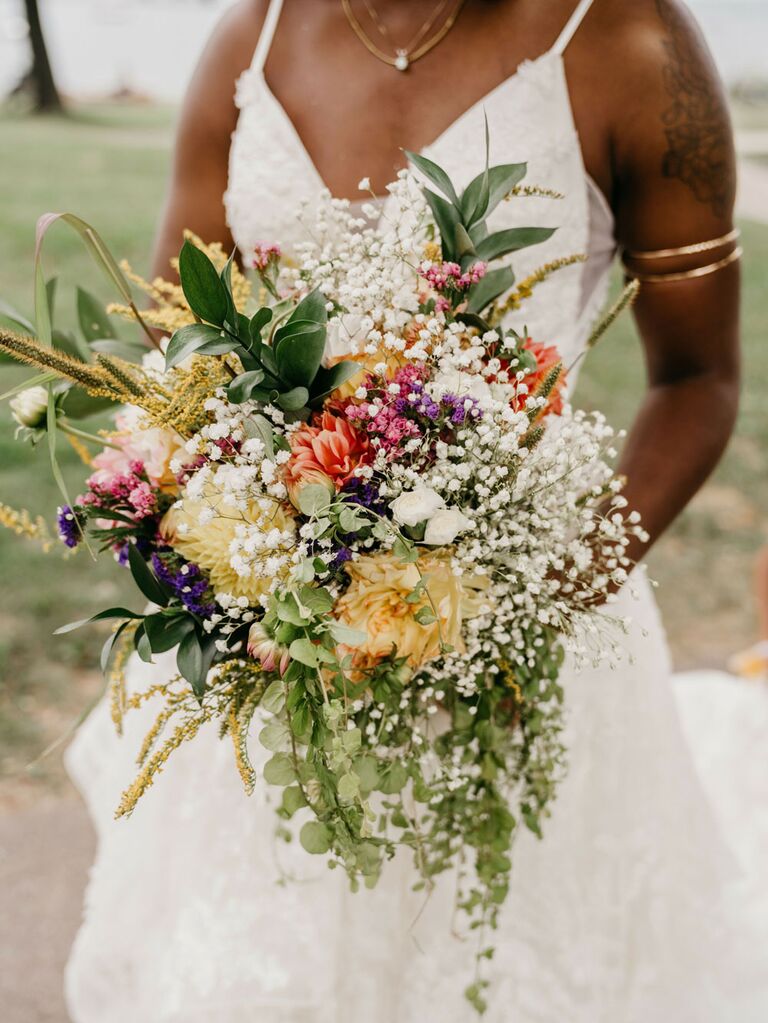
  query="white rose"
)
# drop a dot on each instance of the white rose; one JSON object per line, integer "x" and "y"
{"x": 30, "y": 407}
{"x": 415, "y": 506}
{"x": 340, "y": 337}
{"x": 445, "y": 525}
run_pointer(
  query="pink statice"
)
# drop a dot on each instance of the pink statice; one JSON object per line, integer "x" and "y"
{"x": 448, "y": 277}
{"x": 264, "y": 256}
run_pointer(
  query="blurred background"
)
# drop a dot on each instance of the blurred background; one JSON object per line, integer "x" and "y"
{"x": 88, "y": 93}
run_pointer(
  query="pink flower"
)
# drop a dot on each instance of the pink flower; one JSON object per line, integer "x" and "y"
{"x": 331, "y": 447}
{"x": 265, "y": 255}
{"x": 267, "y": 650}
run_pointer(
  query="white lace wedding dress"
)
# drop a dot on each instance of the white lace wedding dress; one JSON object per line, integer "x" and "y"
{"x": 632, "y": 909}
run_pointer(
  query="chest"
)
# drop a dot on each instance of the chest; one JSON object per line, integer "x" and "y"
{"x": 354, "y": 114}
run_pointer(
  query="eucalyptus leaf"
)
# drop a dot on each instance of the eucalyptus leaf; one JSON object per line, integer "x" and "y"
{"x": 313, "y": 499}
{"x": 275, "y": 736}
{"x": 303, "y": 651}
{"x": 279, "y": 770}
{"x": 315, "y": 837}
{"x": 273, "y": 699}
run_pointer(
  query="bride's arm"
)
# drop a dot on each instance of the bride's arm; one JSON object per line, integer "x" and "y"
{"x": 206, "y": 122}
{"x": 675, "y": 185}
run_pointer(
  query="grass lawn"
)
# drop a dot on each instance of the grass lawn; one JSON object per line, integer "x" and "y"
{"x": 109, "y": 164}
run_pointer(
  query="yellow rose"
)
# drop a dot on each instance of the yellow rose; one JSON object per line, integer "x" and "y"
{"x": 375, "y": 604}
{"x": 209, "y": 543}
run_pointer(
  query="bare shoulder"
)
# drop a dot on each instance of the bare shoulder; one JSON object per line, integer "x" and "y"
{"x": 670, "y": 122}
{"x": 227, "y": 54}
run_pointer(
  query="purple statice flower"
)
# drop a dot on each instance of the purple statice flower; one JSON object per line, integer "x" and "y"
{"x": 342, "y": 555}
{"x": 187, "y": 581}
{"x": 69, "y": 530}
{"x": 365, "y": 493}
{"x": 459, "y": 409}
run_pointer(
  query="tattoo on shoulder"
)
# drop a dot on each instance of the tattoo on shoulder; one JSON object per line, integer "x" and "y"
{"x": 696, "y": 123}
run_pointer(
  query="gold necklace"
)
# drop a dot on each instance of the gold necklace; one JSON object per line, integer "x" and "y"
{"x": 384, "y": 32}
{"x": 404, "y": 57}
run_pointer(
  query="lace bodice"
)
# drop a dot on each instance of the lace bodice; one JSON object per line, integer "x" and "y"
{"x": 530, "y": 120}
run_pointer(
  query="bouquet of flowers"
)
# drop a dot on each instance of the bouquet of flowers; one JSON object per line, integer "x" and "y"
{"x": 364, "y": 517}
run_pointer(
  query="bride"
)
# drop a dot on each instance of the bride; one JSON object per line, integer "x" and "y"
{"x": 634, "y": 907}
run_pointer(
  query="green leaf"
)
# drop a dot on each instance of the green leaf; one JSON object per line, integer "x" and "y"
{"x": 311, "y": 307}
{"x": 259, "y": 320}
{"x": 197, "y": 338}
{"x": 503, "y": 242}
{"x": 447, "y": 219}
{"x": 293, "y": 800}
{"x": 393, "y": 780}
{"x": 259, "y": 426}
{"x": 102, "y": 616}
{"x": 242, "y": 387}
{"x": 145, "y": 578}
{"x": 92, "y": 317}
{"x": 7, "y": 312}
{"x": 232, "y": 317}
{"x": 299, "y": 346}
{"x": 367, "y": 771}
{"x": 304, "y": 652}
{"x": 141, "y": 643}
{"x": 435, "y": 173}
{"x": 346, "y": 635}
{"x": 275, "y": 736}
{"x": 501, "y": 180}
{"x": 273, "y": 699}
{"x": 293, "y": 400}
{"x": 279, "y": 770}
{"x": 425, "y": 616}
{"x": 315, "y": 837}
{"x": 475, "y": 198}
{"x": 131, "y": 351}
{"x": 109, "y": 645}
{"x": 314, "y": 499}
{"x": 76, "y": 403}
{"x": 349, "y": 787}
{"x": 165, "y": 632}
{"x": 489, "y": 288}
{"x": 405, "y": 551}
{"x": 191, "y": 663}
{"x": 328, "y": 378}
{"x": 201, "y": 284}
{"x": 317, "y": 599}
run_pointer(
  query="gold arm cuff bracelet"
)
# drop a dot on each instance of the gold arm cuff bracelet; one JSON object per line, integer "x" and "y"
{"x": 687, "y": 250}
{"x": 685, "y": 275}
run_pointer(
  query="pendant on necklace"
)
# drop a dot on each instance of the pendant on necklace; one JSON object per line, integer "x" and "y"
{"x": 402, "y": 63}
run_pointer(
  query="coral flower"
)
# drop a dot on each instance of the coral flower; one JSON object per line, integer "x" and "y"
{"x": 547, "y": 356}
{"x": 331, "y": 447}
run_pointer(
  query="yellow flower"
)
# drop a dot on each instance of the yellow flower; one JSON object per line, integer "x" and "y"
{"x": 375, "y": 604}
{"x": 207, "y": 541}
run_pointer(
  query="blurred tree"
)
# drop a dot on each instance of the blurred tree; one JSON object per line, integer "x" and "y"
{"x": 39, "y": 81}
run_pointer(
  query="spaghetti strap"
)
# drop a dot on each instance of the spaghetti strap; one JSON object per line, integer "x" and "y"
{"x": 261, "y": 52}
{"x": 572, "y": 26}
